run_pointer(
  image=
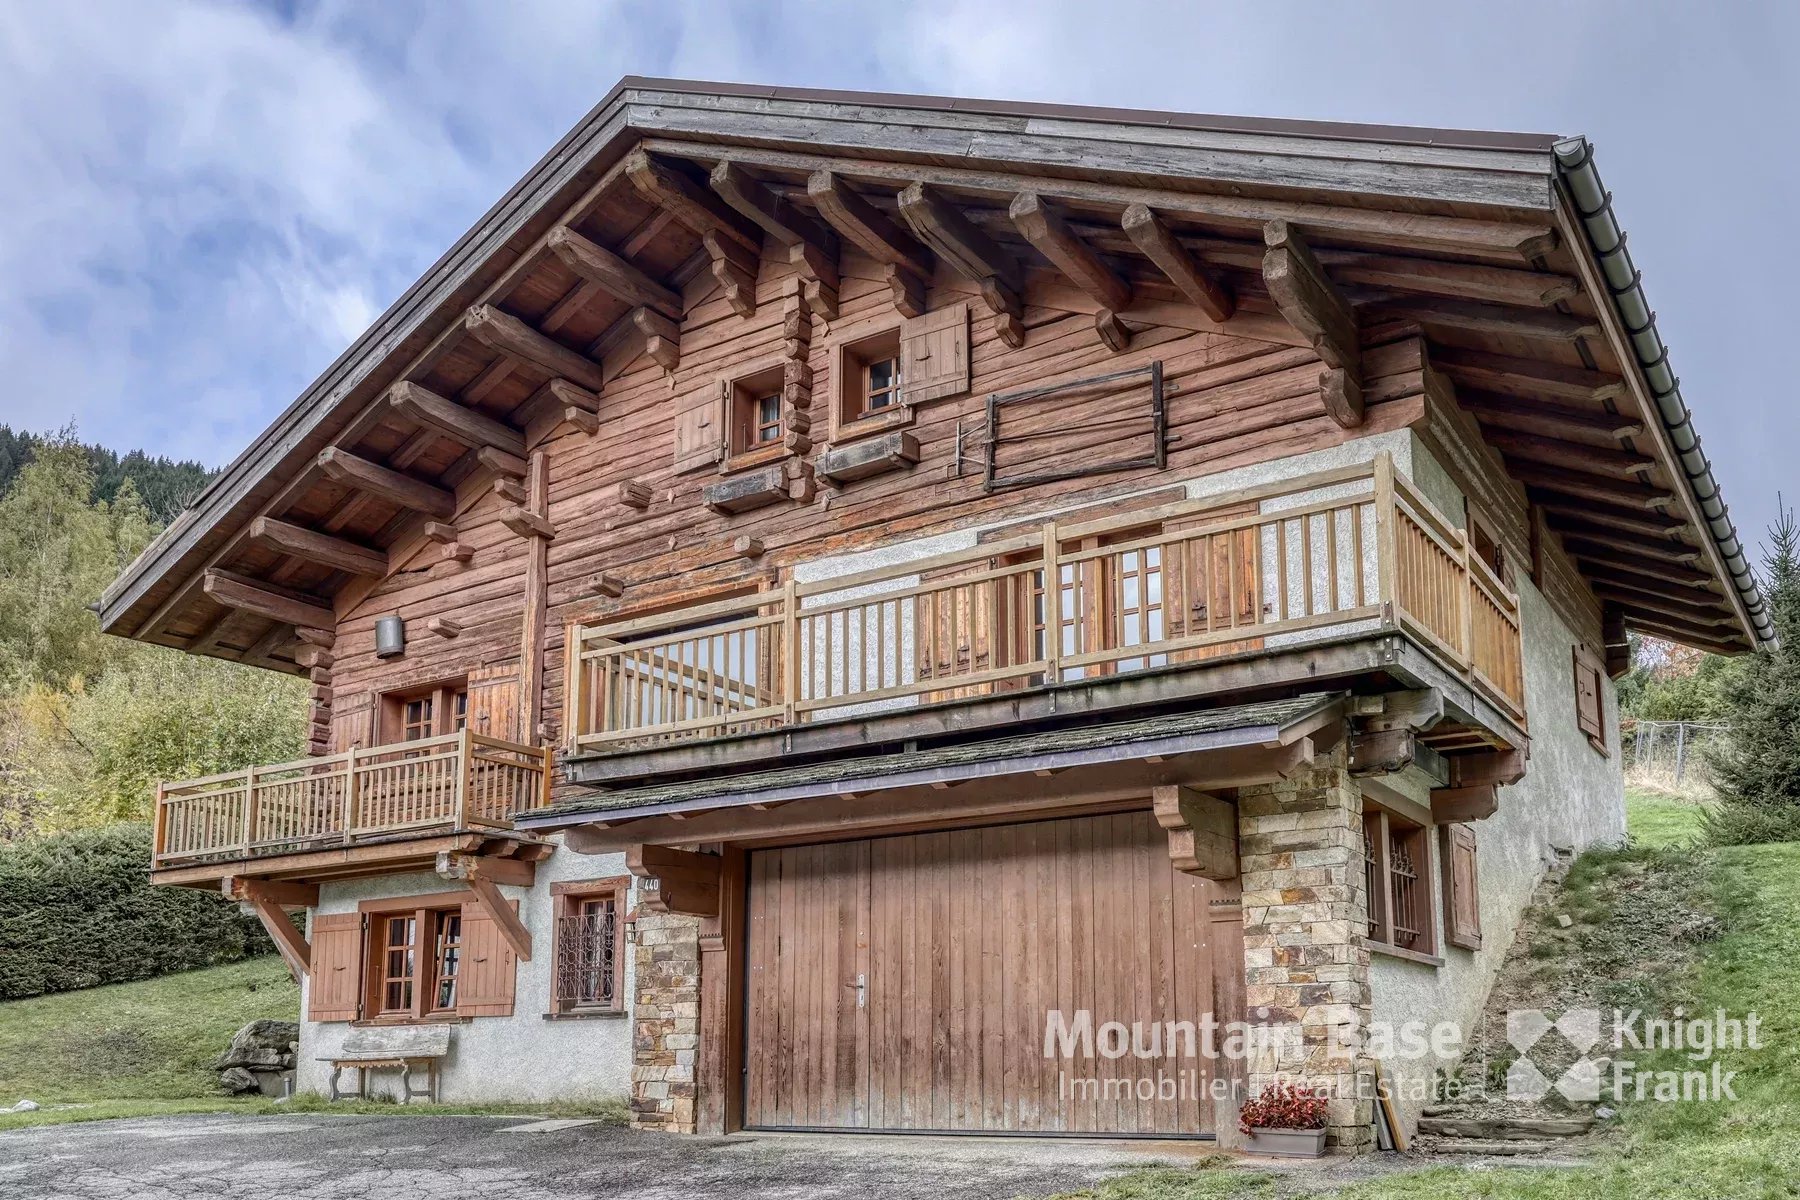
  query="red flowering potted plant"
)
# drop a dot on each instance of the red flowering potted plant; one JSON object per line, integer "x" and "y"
{"x": 1285, "y": 1121}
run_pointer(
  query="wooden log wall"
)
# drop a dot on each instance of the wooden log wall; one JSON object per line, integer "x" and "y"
{"x": 1231, "y": 401}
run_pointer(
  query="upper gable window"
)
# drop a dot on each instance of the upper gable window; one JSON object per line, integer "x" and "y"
{"x": 756, "y": 417}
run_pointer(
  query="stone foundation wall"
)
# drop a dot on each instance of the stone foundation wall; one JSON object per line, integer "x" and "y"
{"x": 665, "y": 1022}
{"x": 1306, "y": 970}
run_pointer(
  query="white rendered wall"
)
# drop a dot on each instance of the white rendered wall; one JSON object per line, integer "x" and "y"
{"x": 523, "y": 1057}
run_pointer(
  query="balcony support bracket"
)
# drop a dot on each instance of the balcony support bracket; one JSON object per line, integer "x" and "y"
{"x": 269, "y": 900}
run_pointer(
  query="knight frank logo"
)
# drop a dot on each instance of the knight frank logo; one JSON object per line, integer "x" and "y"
{"x": 1580, "y": 1028}
{"x": 1565, "y": 1046}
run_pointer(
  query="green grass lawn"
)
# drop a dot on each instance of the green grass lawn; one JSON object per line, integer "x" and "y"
{"x": 1721, "y": 1150}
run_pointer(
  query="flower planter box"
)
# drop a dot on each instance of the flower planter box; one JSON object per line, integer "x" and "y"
{"x": 1287, "y": 1143}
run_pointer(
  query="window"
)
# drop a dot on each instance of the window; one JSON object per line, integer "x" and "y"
{"x": 426, "y": 712}
{"x": 590, "y": 937}
{"x": 869, "y": 381}
{"x": 414, "y": 979}
{"x": 757, "y": 422}
{"x": 1397, "y": 881}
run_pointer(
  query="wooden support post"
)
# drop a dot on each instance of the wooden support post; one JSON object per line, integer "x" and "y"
{"x": 501, "y": 913}
{"x": 537, "y": 602}
{"x": 295, "y": 951}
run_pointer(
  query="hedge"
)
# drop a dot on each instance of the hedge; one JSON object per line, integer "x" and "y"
{"x": 77, "y": 910}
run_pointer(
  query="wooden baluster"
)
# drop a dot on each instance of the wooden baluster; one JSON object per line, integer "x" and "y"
{"x": 1053, "y": 620}
{"x": 789, "y": 651}
{"x": 352, "y": 785}
{"x": 1386, "y": 544}
{"x": 465, "y": 770}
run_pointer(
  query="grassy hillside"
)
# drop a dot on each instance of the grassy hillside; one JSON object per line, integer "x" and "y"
{"x": 154, "y": 1039}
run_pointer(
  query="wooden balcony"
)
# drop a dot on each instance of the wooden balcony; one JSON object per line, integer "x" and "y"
{"x": 458, "y": 783}
{"x": 1355, "y": 550}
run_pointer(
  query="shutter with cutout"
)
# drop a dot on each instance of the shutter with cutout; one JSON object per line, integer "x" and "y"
{"x": 485, "y": 985}
{"x": 1462, "y": 898}
{"x": 700, "y": 426}
{"x": 1589, "y": 714}
{"x": 334, "y": 983}
{"x": 494, "y": 702}
{"x": 1210, "y": 584}
{"x": 352, "y": 721}
{"x": 934, "y": 354}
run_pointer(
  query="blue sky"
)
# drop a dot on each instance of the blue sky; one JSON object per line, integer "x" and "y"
{"x": 201, "y": 204}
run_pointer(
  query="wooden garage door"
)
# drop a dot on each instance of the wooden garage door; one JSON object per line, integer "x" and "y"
{"x": 903, "y": 983}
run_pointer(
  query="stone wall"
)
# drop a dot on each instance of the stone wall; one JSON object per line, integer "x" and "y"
{"x": 1306, "y": 970}
{"x": 666, "y": 1022}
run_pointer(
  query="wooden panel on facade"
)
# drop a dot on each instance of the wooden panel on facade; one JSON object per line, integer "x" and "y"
{"x": 904, "y": 983}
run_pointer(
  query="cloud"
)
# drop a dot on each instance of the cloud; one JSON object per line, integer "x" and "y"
{"x": 201, "y": 204}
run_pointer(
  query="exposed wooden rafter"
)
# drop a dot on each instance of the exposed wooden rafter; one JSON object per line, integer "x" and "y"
{"x": 733, "y": 242}
{"x": 1576, "y": 456}
{"x": 1556, "y": 501}
{"x": 1610, "y": 560}
{"x": 340, "y": 554}
{"x": 1526, "y": 377}
{"x": 511, "y": 336}
{"x": 907, "y": 263}
{"x": 1601, "y": 489}
{"x": 1312, "y": 304}
{"x": 384, "y": 483}
{"x": 1474, "y": 316}
{"x": 1050, "y": 235}
{"x": 611, "y": 273}
{"x": 1153, "y": 238}
{"x": 811, "y": 246}
{"x": 253, "y": 596}
{"x": 972, "y": 254}
{"x": 457, "y": 422}
{"x": 1510, "y": 412}
{"x": 1575, "y": 529}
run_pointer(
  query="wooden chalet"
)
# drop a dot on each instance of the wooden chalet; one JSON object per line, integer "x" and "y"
{"x": 887, "y": 539}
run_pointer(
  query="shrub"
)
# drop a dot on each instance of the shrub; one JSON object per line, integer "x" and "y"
{"x": 77, "y": 910}
{"x": 1283, "y": 1106}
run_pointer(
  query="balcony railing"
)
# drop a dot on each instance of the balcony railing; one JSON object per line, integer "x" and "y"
{"x": 1310, "y": 557}
{"x": 461, "y": 781}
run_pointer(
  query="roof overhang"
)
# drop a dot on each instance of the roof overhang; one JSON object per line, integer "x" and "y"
{"x": 1450, "y": 174}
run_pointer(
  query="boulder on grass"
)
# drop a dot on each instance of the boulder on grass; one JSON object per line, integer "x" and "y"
{"x": 238, "y": 1080}
{"x": 265, "y": 1043}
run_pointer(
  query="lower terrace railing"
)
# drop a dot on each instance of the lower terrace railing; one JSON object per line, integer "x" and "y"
{"x": 1259, "y": 568}
{"x": 457, "y": 781}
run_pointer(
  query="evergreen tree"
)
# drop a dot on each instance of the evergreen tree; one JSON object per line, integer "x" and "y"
{"x": 1758, "y": 770}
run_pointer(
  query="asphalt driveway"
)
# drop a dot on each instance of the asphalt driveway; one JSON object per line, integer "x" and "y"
{"x": 305, "y": 1157}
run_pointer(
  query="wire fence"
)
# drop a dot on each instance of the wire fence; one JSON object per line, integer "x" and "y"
{"x": 1671, "y": 755}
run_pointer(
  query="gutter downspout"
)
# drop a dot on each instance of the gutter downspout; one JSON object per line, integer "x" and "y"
{"x": 1593, "y": 205}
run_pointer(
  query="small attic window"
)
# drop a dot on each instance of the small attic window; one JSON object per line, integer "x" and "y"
{"x": 756, "y": 419}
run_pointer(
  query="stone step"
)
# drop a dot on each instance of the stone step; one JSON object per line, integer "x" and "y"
{"x": 1476, "y": 1146}
{"x": 1505, "y": 1128}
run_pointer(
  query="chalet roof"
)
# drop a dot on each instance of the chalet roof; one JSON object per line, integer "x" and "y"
{"x": 1395, "y": 210}
{"x": 1266, "y": 722}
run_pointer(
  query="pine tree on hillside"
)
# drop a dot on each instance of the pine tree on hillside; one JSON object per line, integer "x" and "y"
{"x": 164, "y": 485}
{"x": 1757, "y": 772}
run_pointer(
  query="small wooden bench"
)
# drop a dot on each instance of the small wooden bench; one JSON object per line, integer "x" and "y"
{"x": 396, "y": 1048}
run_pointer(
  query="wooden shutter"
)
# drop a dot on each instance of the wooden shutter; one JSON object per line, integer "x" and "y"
{"x": 334, "y": 985}
{"x": 1462, "y": 898}
{"x": 700, "y": 426}
{"x": 494, "y": 702}
{"x": 934, "y": 354}
{"x": 1216, "y": 576}
{"x": 1589, "y": 714}
{"x": 352, "y": 721}
{"x": 485, "y": 988}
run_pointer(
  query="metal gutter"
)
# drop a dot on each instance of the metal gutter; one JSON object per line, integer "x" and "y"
{"x": 1593, "y": 205}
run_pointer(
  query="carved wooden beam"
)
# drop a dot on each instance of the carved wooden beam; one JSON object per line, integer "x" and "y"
{"x": 669, "y": 186}
{"x": 1635, "y": 593}
{"x": 500, "y": 462}
{"x": 385, "y": 483}
{"x": 1487, "y": 766}
{"x": 1511, "y": 412}
{"x": 247, "y": 595}
{"x": 867, "y": 227}
{"x": 444, "y": 627}
{"x": 685, "y": 882}
{"x": 811, "y": 245}
{"x": 1148, "y": 233}
{"x": 1202, "y": 831}
{"x": 337, "y": 553}
{"x": 1526, "y": 377}
{"x": 455, "y": 421}
{"x": 1450, "y": 805}
{"x": 1603, "y": 489}
{"x": 612, "y": 274}
{"x": 526, "y": 523}
{"x": 972, "y": 254}
{"x": 662, "y": 337}
{"x": 1050, "y": 235}
{"x": 511, "y": 336}
{"x": 1312, "y": 304}
{"x": 1553, "y": 499}
{"x": 1576, "y": 456}
{"x": 280, "y": 892}
{"x": 1588, "y": 533}
{"x": 1474, "y": 316}
{"x": 463, "y": 867}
